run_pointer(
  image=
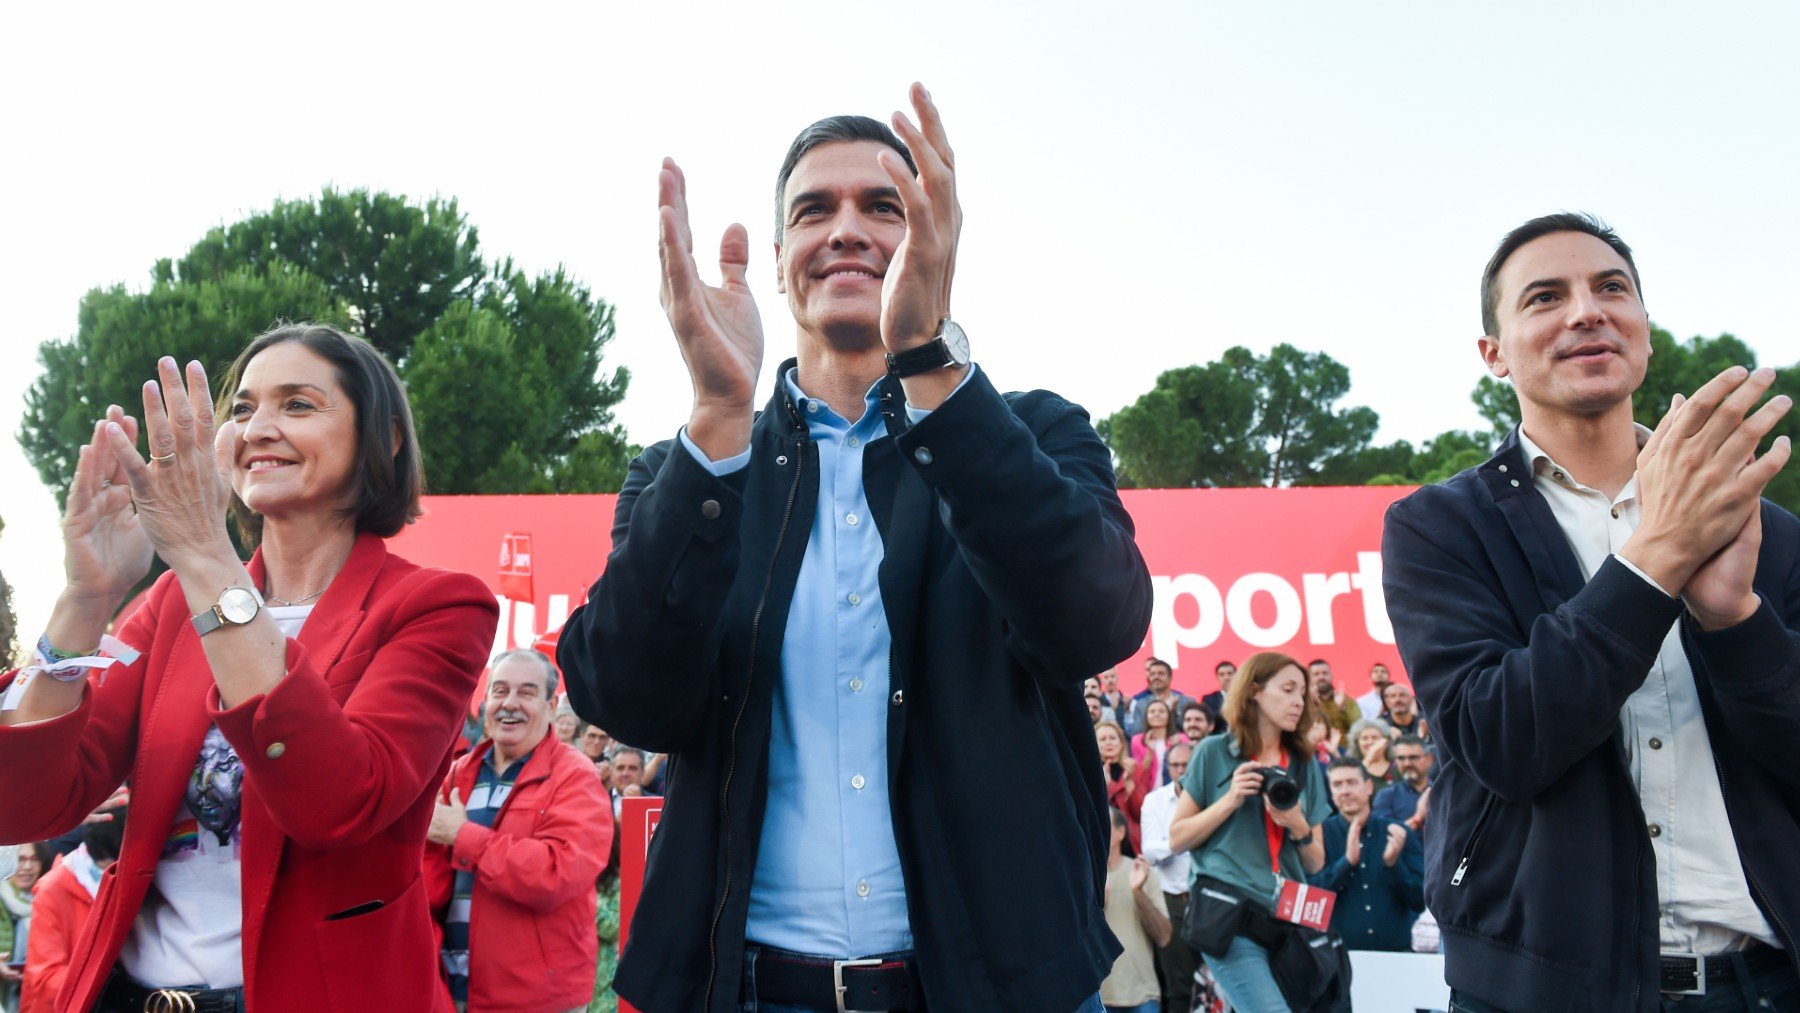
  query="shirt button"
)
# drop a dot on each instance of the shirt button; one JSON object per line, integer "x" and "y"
{"x": 1515, "y": 483}
{"x": 897, "y": 697}
{"x": 780, "y": 458}
{"x": 1558, "y": 474}
{"x": 710, "y": 509}
{"x": 862, "y": 888}
{"x": 852, "y": 520}
{"x": 812, "y": 407}
{"x": 854, "y": 442}
{"x": 855, "y": 599}
{"x": 857, "y": 782}
{"x": 1655, "y": 830}
{"x": 856, "y": 685}
{"x": 1655, "y": 743}
{"x": 275, "y": 750}
{"x": 1503, "y": 469}
{"x": 922, "y": 455}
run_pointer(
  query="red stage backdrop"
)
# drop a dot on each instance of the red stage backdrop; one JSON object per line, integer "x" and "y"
{"x": 1235, "y": 571}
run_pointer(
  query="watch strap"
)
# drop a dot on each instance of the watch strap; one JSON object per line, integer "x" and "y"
{"x": 208, "y": 621}
{"x": 934, "y": 354}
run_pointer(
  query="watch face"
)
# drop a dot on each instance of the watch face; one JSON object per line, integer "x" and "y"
{"x": 237, "y": 605}
{"x": 956, "y": 342}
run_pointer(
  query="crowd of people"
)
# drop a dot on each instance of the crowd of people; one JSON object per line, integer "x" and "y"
{"x": 1363, "y": 779}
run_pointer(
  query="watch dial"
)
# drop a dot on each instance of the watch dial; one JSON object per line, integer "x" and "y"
{"x": 238, "y": 605}
{"x": 957, "y": 342}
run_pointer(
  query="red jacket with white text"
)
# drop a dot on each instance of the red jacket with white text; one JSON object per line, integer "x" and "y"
{"x": 532, "y": 945}
{"x": 341, "y": 760}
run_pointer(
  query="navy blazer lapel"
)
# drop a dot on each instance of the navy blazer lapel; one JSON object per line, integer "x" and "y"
{"x": 1508, "y": 478}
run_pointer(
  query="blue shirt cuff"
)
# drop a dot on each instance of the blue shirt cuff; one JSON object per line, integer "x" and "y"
{"x": 918, "y": 415}
{"x": 718, "y": 469}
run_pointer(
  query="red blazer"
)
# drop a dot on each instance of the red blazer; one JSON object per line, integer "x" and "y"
{"x": 59, "y": 908}
{"x": 532, "y": 947}
{"x": 341, "y": 760}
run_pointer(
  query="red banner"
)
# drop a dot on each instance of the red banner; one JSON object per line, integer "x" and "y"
{"x": 515, "y": 566}
{"x": 1235, "y": 571}
{"x": 638, "y": 817}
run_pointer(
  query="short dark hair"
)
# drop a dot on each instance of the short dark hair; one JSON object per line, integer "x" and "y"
{"x": 1225, "y": 664}
{"x": 1537, "y": 228}
{"x": 1409, "y": 739}
{"x": 389, "y": 477}
{"x": 1318, "y": 661}
{"x": 1154, "y": 660}
{"x": 1348, "y": 763}
{"x": 103, "y": 839}
{"x": 832, "y": 130}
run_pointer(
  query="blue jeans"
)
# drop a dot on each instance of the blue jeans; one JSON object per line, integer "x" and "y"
{"x": 1244, "y": 979}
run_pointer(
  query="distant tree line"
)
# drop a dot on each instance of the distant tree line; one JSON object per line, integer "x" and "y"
{"x": 1279, "y": 420}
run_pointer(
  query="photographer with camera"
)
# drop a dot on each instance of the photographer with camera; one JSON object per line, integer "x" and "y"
{"x": 1250, "y": 812}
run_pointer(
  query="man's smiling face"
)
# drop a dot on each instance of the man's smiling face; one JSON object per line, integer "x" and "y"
{"x": 842, "y": 223}
{"x": 1574, "y": 337}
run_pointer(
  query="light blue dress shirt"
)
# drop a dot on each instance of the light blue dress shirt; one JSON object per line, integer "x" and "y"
{"x": 828, "y": 879}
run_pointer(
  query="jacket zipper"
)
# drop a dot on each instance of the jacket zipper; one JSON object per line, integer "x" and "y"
{"x": 1787, "y": 937}
{"x": 1468, "y": 854}
{"x": 787, "y": 516}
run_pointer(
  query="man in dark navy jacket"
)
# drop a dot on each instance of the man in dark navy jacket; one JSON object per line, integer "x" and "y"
{"x": 807, "y": 608}
{"x": 1600, "y": 622}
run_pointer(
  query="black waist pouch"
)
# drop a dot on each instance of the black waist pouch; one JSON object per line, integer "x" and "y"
{"x": 1217, "y": 913}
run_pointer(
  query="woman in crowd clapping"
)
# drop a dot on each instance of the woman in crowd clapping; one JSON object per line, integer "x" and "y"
{"x": 1150, "y": 747}
{"x": 1127, "y": 781}
{"x": 284, "y": 723}
{"x": 1368, "y": 741}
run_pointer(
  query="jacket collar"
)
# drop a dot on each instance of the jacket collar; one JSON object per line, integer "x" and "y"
{"x": 537, "y": 765}
{"x": 341, "y": 608}
{"x": 781, "y": 415}
{"x": 1508, "y": 479}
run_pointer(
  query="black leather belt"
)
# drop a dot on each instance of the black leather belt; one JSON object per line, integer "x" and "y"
{"x": 874, "y": 984}
{"x": 1694, "y": 974}
{"x": 122, "y": 995}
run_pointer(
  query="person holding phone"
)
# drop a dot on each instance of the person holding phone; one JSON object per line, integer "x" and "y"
{"x": 283, "y": 723}
{"x": 1247, "y": 833}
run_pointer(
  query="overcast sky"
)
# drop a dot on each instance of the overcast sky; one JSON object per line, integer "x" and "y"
{"x": 1144, "y": 184}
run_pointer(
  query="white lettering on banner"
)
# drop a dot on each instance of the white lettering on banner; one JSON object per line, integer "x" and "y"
{"x": 1292, "y": 609}
{"x": 518, "y": 621}
{"x": 1243, "y": 621}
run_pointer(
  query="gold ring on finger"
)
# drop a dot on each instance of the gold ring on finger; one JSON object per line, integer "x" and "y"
{"x": 159, "y": 458}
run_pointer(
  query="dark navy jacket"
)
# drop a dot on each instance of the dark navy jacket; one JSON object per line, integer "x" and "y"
{"x": 1376, "y": 905}
{"x": 1539, "y": 868}
{"x": 1009, "y": 575}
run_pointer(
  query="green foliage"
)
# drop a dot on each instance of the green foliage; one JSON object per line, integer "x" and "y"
{"x": 503, "y": 369}
{"x": 1242, "y": 420}
{"x": 395, "y": 266}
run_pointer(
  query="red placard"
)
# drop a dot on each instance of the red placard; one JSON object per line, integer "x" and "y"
{"x": 1234, "y": 571}
{"x": 1305, "y": 905}
{"x": 638, "y": 817}
{"x": 515, "y": 566}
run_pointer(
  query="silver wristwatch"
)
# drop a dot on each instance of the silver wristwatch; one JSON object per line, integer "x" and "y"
{"x": 236, "y": 606}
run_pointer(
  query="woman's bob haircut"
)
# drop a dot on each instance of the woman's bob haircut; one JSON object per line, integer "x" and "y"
{"x": 389, "y": 478}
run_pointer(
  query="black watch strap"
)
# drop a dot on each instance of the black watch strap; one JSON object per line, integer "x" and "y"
{"x": 934, "y": 354}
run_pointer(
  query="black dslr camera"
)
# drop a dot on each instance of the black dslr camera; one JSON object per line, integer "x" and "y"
{"x": 1279, "y": 790}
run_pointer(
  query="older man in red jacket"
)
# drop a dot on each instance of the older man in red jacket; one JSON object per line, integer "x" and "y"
{"x": 521, "y": 832}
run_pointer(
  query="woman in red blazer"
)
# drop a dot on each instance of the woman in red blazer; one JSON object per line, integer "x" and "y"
{"x": 283, "y": 724}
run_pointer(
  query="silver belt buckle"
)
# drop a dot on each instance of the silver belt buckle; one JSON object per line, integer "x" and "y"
{"x": 1699, "y": 960}
{"x": 837, "y": 977}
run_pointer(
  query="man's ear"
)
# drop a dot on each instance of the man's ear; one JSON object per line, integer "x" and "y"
{"x": 780, "y": 283}
{"x": 1491, "y": 356}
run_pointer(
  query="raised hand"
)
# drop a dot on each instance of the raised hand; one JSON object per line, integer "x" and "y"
{"x": 105, "y": 550}
{"x": 915, "y": 294}
{"x": 180, "y": 494}
{"x": 1699, "y": 478}
{"x": 717, "y": 327}
{"x": 1396, "y": 842}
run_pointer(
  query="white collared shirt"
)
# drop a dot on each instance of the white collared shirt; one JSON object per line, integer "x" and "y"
{"x": 1157, "y": 817}
{"x": 1700, "y": 884}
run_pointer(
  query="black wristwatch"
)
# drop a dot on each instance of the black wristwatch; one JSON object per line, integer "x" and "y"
{"x": 949, "y": 348}
{"x": 1303, "y": 841}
